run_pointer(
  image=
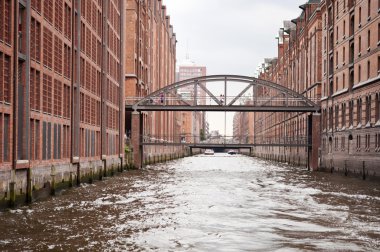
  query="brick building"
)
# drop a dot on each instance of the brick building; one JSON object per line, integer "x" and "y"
{"x": 150, "y": 63}
{"x": 351, "y": 85}
{"x": 296, "y": 67}
{"x": 61, "y": 97}
{"x": 330, "y": 54}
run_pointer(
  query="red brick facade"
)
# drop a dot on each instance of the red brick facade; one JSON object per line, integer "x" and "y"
{"x": 331, "y": 55}
{"x": 61, "y": 92}
{"x": 150, "y": 65}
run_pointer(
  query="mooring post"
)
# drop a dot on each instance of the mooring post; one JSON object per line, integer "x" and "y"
{"x": 29, "y": 187}
{"x": 345, "y": 168}
{"x": 52, "y": 182}
{"x": 364, "y": 177}
{"x": 12, "y": 193}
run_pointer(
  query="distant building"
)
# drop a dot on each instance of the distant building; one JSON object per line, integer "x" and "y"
{"x": 193, "y": 123}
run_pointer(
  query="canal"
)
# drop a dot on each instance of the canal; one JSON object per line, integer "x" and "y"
{"x": 203, "y": 203}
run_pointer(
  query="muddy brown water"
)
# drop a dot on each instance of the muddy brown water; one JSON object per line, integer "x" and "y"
{"x": 203, "y": 203}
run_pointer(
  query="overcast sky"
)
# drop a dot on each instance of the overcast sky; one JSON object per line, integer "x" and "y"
{"x": 228, "y": 36}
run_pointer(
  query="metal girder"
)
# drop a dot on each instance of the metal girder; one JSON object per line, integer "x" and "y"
{"x": 305, "y": 104}
{"x": 208, "y": 145}
{"x": 239, "y": 95}
{"x": 210, "y": 94}
{"x": 221, "y": 108}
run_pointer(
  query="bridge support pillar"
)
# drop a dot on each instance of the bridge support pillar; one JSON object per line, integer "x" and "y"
{"x": 136, "y": 131}
{"x": 314, "y": 140}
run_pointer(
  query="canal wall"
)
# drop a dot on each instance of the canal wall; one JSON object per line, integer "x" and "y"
{"x": 20, "y": 186}
{"x": 292, "y": 155}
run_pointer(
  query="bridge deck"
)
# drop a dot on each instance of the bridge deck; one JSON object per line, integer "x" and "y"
{"x": 227, "y": 146}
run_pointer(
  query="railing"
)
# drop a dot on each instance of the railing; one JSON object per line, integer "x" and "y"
{"x": 189, "y": 139}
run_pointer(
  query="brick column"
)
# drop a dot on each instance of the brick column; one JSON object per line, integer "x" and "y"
{"x": 315, "y": 141}
{"x": 136, "y": 132}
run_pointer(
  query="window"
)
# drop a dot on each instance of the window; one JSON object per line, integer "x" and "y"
{"x": 359, "y": 110}
{"x": 377, "y": 142}
{"x": 369, "y": 39}
{"x": 66, "y": 141}
{"x": 48, "y": 48}
{"x": 367, "y": 142}
{"x": 35, "y": 139}
{"x": 351, "y": 112}
{"x": 47, "y": 93}
{"x": 369, "y": 8}
{"x": 66, "y": 102}
{"x": 57, "y": 141}
{"x": 35, "y": 45}
{"x": 360, "y": 16}
{"x": 5, "y": 78}
{"x": 360, "y": 44}
{"x": 6, "y": 21}
{"x": 344, "y": 55}
{"x": 58, "y": 15}
{"x": 337, "y": 59}
{"x": 67, "y": 22}
{"x": 368, "y": 109}
{"x": 358, "y": 143}
{"x": 36, "y": 5}
{"x": 58, "y": 98}
{"x": 359, "y": 73}
{"x": 368, "y": 69}
{"x": 337, "y": 116}
{"x": 343, "y": 115}
{"x": 377, "y": 107}
{"x": 35, "y": 89}
{"x": 67, "y": 61}
{"x": 331, "y": 118}
{"x": 58, "y": 55}
{"x": 337, "y": 34}
{"x": 344, "y": 81}
{"x": 6, "y": 135}
{"x": 48, "y": 10}
{"x": 344, "y": 27}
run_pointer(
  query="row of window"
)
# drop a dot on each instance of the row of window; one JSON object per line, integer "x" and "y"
{"x": 363, "y": 143}
{"x": 340, "y": 114}
{"x": 341, "y": 80}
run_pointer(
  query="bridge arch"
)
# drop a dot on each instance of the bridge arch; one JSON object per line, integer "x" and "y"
{"x": 263, "y": 96}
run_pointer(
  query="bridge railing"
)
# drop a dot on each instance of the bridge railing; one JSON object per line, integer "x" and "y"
{"x": 189, "y": 139}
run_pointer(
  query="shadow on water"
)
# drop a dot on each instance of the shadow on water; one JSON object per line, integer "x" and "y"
{"x": 204, "y": 203}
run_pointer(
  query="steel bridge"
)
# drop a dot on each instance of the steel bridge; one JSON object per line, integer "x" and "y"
{"x": 195, "y": 95}
{"x": 257, "y": 96}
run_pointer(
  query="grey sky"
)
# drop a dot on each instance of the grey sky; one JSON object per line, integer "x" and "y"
{"x": 229, "y": 37}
